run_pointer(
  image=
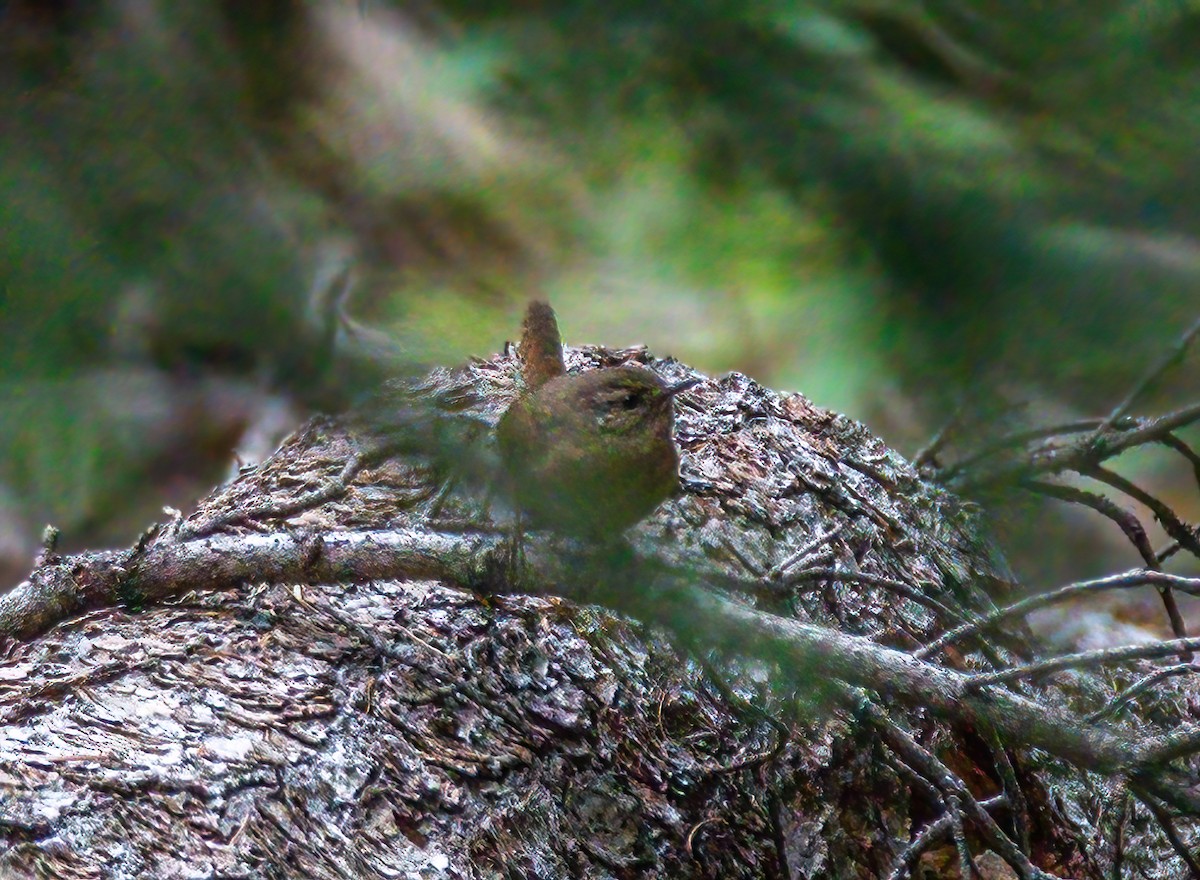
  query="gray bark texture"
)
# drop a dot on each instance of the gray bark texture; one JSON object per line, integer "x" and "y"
{"x": 327, "y": 719}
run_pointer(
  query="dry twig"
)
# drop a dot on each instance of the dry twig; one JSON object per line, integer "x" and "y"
{"x": 1134, "y": 578}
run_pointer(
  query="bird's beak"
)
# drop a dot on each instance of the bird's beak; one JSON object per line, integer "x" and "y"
{"x": 672, "y": 390}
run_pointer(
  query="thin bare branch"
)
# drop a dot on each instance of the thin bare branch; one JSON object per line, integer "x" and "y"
{"x": 335, "y": 487}
{"x": 1131, "y": 693}
{"x": 1174, "y": 527}
{"x": 934, "y": 832}
{"x": 1124, "y": 519}
{"x": 954, "y": 793}
{"x": 165, "y": 567}
{"x": 809, "y": 549}
{"x": 908, "y": 591}
{"x": 928, "y": 453}
{"x": 1172, "y": 833}
{"x": 668, "y": 597}
{"x": 1012, "y": 787}
{"x": 1167, "y": 552}
{"x": 1172, "y": 358}
{"x": 1019, "y": 440}
{"x": 1128, "y": 523}
{"x": 1172, "y": 524}
{"x": 1096, "y": 447}
{"x": 954, "y": 810}
{"x": 1085, "y": 659}
{"x": 1149, "y": 431}
{"x": 1138, "y": 577}
{"x": 1179, "y": 743}
{"x": 1193, "y": 458}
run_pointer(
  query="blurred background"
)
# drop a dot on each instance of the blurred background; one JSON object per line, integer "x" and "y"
{"x": 906, "y": 210}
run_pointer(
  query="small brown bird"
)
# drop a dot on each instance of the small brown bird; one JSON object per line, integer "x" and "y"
{"x": 587, "y": 454}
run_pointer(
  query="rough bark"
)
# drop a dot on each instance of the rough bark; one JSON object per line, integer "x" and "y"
{"x": 320, "y": 717}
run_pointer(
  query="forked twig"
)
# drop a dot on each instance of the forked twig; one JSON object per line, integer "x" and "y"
{"x": 1054, "y": 458}
{"x": 1011, "y": 786}
{"x": 1018, "y": 440}
{"x": 333, "y": 488}
{"x": 1174, "y": 527}
{"x": 934, "y": 832}
{"x": 954, "y": 792}
{"x": 1172, "y": 524}
{"x": 1129, "y": 524}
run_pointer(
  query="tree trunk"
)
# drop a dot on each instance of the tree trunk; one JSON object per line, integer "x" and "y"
{"x": 323, "y": 718}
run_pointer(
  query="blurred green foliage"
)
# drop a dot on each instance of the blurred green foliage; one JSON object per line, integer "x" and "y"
{"x": 893, "y": 206}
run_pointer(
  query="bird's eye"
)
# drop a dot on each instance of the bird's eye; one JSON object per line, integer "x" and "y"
{"x": 631, "y": 400}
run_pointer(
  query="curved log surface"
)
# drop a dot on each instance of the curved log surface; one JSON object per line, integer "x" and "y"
{"x": 339, "y": 714}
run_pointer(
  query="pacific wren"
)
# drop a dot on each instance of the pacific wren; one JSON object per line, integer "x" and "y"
{"x": 586, "y": 454}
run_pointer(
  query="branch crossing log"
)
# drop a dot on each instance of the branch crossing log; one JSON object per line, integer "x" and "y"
{"x": 362, "y": 684}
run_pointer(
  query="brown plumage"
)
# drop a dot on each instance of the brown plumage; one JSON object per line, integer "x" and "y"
{"x": 588, "y": 454}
